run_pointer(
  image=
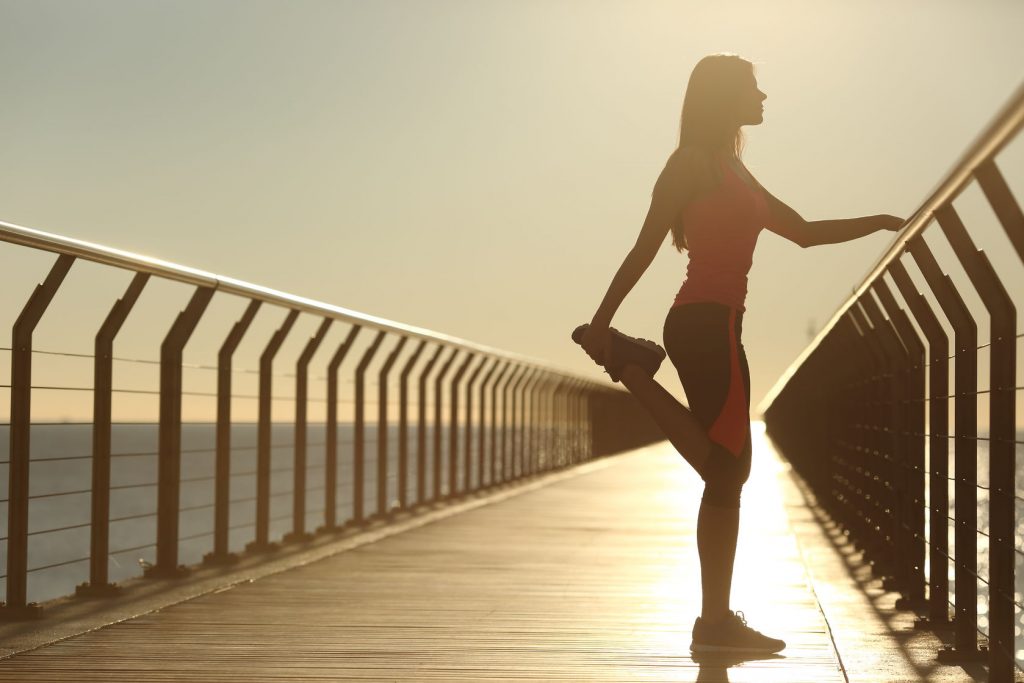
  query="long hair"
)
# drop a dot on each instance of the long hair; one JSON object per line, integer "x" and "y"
{"x": 708, "y": 121}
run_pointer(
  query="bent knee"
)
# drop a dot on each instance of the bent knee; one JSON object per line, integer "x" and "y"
{"x": 724, "y": 476}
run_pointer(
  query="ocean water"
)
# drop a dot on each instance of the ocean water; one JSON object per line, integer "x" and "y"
{"x": 983, "y": 538}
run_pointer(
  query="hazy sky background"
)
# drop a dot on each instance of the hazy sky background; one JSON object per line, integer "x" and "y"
{"x": 476, "y": 168}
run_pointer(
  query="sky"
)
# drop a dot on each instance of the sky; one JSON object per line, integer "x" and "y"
{"x": 475, "y": 168}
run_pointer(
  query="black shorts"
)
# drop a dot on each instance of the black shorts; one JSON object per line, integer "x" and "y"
{"x": 703, "y": 341}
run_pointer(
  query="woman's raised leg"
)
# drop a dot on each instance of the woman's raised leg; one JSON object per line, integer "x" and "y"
{"x": 680, "y": 426}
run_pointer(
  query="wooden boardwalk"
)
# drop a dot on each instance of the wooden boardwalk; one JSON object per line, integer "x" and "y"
{"x": 593, "y": 577}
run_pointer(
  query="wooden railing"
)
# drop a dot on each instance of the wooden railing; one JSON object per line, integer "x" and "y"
{"x": 495, "y": 417}
{"x": 863, "y": 412}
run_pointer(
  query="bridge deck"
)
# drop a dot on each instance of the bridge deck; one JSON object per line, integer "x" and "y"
{"x": 591, "y": 577}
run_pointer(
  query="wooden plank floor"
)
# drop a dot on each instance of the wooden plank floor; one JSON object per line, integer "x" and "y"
{"x": 591, "y": 578}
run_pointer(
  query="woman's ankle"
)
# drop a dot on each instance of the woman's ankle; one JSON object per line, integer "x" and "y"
{"x": 632, "y": 372}
{"x": 714, "y": 617}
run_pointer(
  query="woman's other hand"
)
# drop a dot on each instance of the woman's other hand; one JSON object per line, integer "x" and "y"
{"x": 596, "y": 342}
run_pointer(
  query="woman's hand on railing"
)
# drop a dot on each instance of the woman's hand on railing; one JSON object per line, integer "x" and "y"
{"x": 891, "y": 223}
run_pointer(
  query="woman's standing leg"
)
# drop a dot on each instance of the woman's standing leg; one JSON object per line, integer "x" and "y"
{"x": 717, "y": 534}
{"x": 703, "y": 342}
{"x": 717, "y": 531}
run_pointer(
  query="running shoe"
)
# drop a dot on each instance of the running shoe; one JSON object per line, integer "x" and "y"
{"x": 731, "y": 634}
{"x": 625, "y": 350}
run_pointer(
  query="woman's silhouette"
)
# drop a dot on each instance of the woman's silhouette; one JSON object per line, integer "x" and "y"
{"x": 715, "y": 208}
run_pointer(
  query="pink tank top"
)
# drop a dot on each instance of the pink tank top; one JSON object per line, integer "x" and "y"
{"x": 721, "y": 232}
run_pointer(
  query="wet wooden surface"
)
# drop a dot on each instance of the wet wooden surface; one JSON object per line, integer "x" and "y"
{"x": 591, "y": 578}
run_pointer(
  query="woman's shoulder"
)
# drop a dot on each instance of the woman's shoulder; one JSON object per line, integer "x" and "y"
{"x": 690, "y": 162}
{"x": 691, "y": 168}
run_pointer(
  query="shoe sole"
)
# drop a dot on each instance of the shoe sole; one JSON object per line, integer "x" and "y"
{"x": 730, "y": 648}
{"x": 625, "y": 341}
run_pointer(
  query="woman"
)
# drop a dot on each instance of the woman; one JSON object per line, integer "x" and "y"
{"x": 715, "y": 208}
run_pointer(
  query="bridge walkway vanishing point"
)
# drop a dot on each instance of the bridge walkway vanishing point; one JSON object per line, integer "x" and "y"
{"x": 585, "y": 574}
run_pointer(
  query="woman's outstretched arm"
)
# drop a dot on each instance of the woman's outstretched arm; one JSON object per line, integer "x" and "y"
{"x": 791, "y": 225}
{"x": 846, "y": 229}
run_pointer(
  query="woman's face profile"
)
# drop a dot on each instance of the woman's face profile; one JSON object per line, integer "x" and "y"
{"x": 751, "y": 102}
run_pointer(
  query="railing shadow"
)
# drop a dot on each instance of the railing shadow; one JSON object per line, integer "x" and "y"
{"x": 859, "y": 570}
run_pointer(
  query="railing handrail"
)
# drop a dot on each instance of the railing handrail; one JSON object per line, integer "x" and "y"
{"x": 46, "y": 241}
{"x": 985, "y": 146}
